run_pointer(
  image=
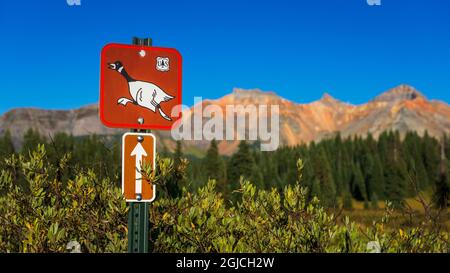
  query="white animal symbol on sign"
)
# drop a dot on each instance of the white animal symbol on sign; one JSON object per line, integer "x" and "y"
{"x": 144, "y": 94}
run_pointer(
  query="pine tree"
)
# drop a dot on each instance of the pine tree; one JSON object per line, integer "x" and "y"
{"x": 269, "y": 168}
{"x": 431, "y": 157}
{"x": 347, "y": 201}
{"x": 358, "y": 186}
{"x": 415, "y": 164}
{"x": 366, "y": 204}
{"x": 60, "y": 145}
{"x": 347, "y": 165}
{"x": 367, "y": 168}
{"x": 308, "y": 174}
{"x": 215, "y": 166}
{"x": 240, "y": 164}
{"x": 442, "y": 192}
{"x": 374, "y": 201}
{"x": 31, "y": 140}
{"x": 178, "y": 154}
{"x": 316, "y": 190}
{"x": 174, "y": 184}
{"x": 446, "y": 145}
{"x": 323, "y": 174}
{"x": 338, "y": 172}
{"x": 395, "y": 189}
{"x": 6, "y": 145}
{"x": 395, "y": 173}
{"x": 377, "y": 178}
{"x": 383, "y": 146}
{"x": 257, "y": 174}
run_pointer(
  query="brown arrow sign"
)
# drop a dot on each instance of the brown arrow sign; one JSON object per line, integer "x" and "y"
{"x": 138, "y": 150}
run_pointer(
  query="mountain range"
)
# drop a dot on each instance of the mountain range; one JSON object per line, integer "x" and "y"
{"x": 402, "y": 108}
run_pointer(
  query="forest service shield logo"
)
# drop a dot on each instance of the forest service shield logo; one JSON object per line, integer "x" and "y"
{"x": 162, "y": 64}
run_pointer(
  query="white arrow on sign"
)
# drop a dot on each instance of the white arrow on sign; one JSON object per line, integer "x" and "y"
{"x": 139, "y": 152}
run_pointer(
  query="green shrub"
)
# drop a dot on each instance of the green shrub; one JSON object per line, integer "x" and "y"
{"x": 43, "y": 214}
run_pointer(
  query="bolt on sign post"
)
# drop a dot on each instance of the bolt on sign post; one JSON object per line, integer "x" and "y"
{"x": 140, "y": 86}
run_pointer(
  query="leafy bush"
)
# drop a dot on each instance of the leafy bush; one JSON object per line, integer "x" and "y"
{"x": 269, "y": 221}
{"x": 43, "y": 214}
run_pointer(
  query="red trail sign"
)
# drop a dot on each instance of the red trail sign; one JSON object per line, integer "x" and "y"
{"x": 140, "y": 86}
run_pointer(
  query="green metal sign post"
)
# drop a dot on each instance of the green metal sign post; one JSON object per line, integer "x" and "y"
{"x": 138, "y": 212}
{"x": 138, "y": 227}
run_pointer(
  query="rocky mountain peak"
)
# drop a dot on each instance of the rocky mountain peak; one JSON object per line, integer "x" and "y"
{"x": 327, "y": 98}
{"x": 249, "y": 96}
{"x": 400, "y": 93}
{"x": 240, "y": 93}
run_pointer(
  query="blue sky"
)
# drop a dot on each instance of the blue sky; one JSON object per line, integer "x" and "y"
{"x": 299, "y": 49}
